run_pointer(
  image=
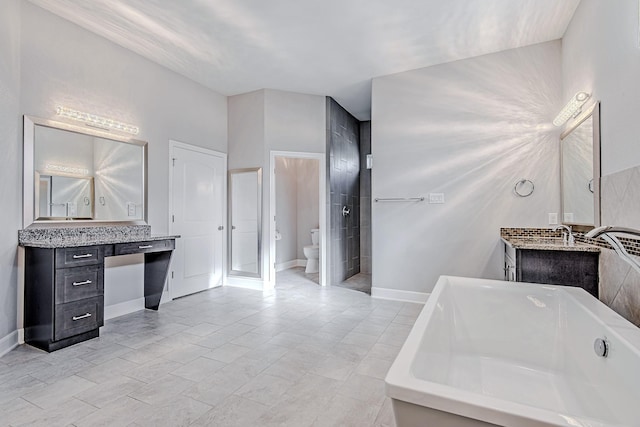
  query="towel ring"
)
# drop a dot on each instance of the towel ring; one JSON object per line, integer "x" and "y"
{"x": 524, "y": 188}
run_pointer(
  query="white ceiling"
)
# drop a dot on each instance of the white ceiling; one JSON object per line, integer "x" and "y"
{"x": 328, "y": 47}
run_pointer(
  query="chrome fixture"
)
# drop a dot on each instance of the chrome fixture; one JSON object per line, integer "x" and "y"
{"x": 399, "y": 199}
{"x": 345, "y": 211}
{"x": 601, "y": 347}
{"x": 606, "y": 233}
{"x": 567, "y": 236}
{"x": 572, "y": 109}
{"x": 524, "y": 188}
{"x": 97, "y": 121}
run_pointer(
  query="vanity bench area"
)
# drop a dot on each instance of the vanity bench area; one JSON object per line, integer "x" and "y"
{"x": 541, "y": 256}
{"x": 64, "y": 278}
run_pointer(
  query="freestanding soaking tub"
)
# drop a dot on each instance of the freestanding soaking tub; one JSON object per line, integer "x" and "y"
{"x": 487, "y": 352}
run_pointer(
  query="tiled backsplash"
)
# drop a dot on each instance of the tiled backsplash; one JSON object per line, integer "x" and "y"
{"x": 632, "y": 245}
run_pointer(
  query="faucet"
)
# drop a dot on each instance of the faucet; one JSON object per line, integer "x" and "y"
{"x": 605, "y": 232}
{"x": 567, "y": 236}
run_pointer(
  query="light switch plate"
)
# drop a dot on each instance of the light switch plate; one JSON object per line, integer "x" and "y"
{"x": 131, "y": 209}
{"x": 436, "y": 198}
{"x": 553, "y": 218}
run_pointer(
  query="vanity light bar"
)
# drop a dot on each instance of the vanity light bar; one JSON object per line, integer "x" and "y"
{"x": 97, "y": 121}
{"x": 573, "y": 107}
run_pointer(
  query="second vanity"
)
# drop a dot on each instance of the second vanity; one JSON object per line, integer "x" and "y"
{"x": 541, "y": 256}
{"x": 64, "y": 278}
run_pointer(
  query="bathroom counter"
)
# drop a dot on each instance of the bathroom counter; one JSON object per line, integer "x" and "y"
{"x": 71, "y": 237}
{"x": 64, "y": 278}
{"x": 547, "y": 244}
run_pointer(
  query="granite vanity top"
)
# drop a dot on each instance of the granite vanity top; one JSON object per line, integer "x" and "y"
{"x": 68, "y": 237}
{"x": 547, "y": 244}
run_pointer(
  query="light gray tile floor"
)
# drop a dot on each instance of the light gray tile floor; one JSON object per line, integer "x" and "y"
{"x": 298, "y": 356}
{"x": 358, "y": 282}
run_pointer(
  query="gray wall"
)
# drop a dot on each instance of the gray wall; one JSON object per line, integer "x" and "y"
{"x": 47, "y": 61}
{"x": 11, "y": 174}
{"x": 469, "y": 129}
{"x": 343, "y": 175}
{"x": 365, "y": 198}
{"x": 270, "y": 120}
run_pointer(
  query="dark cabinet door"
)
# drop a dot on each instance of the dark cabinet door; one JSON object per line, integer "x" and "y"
{"x": 569, "y": 268}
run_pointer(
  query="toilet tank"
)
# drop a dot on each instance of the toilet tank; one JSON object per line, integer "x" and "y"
{"x": 315, "y": 236}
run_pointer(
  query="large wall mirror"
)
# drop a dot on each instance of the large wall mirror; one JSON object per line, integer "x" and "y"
{"x": 245, "y": 217}
{"x": 73, "y": 173}
{"x": 580, "y": 171}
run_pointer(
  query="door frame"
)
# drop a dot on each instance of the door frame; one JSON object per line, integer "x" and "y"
{"x": 322, "y": 187}
{"x": 173, "y": 144}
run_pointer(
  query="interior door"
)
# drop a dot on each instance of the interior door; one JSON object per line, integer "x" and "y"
{"x": 198, "y": 209}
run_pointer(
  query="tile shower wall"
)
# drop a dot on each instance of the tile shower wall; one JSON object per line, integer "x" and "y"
{"x": 365, "y": 198}
{"x": 619, "y": 283}
{"x": 343, "y": 176}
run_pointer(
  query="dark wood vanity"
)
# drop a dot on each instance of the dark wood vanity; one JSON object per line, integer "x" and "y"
{"x": 549, "y": 261}
{"x": 64, "y": 286}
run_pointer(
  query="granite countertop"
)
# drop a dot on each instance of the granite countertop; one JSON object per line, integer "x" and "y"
{"x": 69, "y": 237}
{"x": 547, "y": 244}
{"x": 74, "y": 242}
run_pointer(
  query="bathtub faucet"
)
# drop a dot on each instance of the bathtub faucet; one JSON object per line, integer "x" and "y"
{"x": 611, "y": 229}
{"x": 567, "y": 237}
{"x": 606, "y": 233}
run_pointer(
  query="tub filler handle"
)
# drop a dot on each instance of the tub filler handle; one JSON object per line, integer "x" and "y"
{"x": 601, "y": 347}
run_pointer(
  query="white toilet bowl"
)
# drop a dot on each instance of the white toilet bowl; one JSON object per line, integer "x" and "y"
{"x": 312, "y": 252}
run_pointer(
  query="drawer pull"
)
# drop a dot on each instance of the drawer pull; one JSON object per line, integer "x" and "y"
{"x": 84, "y": 316}
{"x": 86, "y": 282}
{"x": 145, "y": 247}
{"x": 82, "y": 256}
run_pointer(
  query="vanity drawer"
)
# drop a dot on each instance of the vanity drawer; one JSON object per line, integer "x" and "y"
{"x": 78, "y": 317}
{"x": 73, "y": 284}
{"x": 75, "y": 257}
{"x": 144, "y": 247}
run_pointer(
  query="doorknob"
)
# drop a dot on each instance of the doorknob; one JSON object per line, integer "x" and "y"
{"x": 345, "y": 211}
{"x": 220, "y": 227}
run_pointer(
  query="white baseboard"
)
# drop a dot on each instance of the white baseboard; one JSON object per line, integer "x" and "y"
{"x": 291, "y": 264}
{"x": 246, "y": 283}
{"x": 8, "y": 343}
{"x": 117, "y": 310}
{"x": 398, "y": 295}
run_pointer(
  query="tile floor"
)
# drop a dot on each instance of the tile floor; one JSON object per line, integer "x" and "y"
{"x": 300, "y": 356}
{"x": 358, "y": 282}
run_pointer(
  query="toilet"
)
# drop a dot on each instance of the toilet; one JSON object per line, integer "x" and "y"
{"x": 312, "y": 252}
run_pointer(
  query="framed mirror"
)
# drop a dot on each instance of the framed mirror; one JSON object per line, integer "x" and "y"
{"x": 74, "y": 173}
{"x": 245, "y": 217}
{"x": 580, "y": 171}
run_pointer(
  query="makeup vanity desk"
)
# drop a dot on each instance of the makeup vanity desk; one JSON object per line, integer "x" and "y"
{"x": 64, "y": 278}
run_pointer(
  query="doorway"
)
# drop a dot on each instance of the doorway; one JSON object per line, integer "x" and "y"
{"x": 197, "y": 203}
{"x": 297, "y": 206}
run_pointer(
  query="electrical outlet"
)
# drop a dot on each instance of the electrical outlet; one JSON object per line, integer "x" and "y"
{"x": 72, "y": 209}
{"x": 131, "y": 209}
{"x": 553, "y": 218}
{"x": 568, "y": 217}
{"x": 436, "y": 198}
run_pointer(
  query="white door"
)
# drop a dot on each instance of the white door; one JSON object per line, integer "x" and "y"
{"x": 198, "y": 216}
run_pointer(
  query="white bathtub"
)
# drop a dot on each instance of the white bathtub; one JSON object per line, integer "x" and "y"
{"x": 486, "y": 352}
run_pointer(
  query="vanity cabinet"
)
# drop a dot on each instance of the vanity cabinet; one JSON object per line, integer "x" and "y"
{"x": 64, "y": 287}
{"x": 555, "y": 267}
{"x": 64, "y": 295}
